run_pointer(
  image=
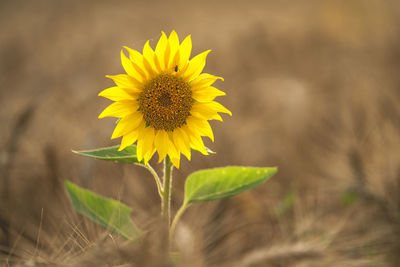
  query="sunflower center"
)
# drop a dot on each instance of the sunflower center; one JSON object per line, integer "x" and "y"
{"x": 166, "y": 102}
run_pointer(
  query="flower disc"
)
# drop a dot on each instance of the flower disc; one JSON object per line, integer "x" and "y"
{"x": 165, "y": 102}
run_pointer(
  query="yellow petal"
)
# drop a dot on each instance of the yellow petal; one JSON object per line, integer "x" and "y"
{"x": 202, "y": 127}
{"x": 116, "y": 94}
{"x": 206, "y": 94}
{"x": 172, "y": 151}
{"x": 148, "y": 59}
{"x": 195, "y": 140}
{"x": 173, "y": 41}
{"x": 127, "y": 124}
{"x": 160, "y": 50}
{"x": 176, "y": 161}
{"x": 129, "y": 68}
{"x": 133, "y": 92}
{"x": 204, "y": 80}
{"x": 184, "y": 50}
{"x": 124, "y": 81}
{"x": 211, "y": 116}
{"x": 157, "y": 64}
{"x": 137, "y": 62}
{"x": 149, "y": 154}
{"x": 195, "y": 66}
{"x": 139, "y": 148}
{"x": 167, "y": 54}
{"x": 182, "y": 142}
{"x": 175, "y": 62}
{"x": 120, "y": 109}
{"x": 218, "y": 107}
{"x": 161, "y": 142}
{"x": 148, "y": 140}
{"x": 202, "y": 111}
{"x": 128, "y": 140}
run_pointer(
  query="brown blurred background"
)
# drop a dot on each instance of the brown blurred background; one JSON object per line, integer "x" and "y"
{"x": 314, "y": 89}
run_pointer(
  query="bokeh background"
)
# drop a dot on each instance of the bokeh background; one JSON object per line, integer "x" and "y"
{"x": 314, "y": 88}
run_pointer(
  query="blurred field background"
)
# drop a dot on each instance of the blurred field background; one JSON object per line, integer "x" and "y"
{"x": 314, "y": 88}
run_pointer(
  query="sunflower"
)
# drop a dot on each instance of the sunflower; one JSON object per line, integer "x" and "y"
{"x": 163, "y": 101}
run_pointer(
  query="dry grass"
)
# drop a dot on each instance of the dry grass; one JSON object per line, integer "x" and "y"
{"x": 313, "y": 87}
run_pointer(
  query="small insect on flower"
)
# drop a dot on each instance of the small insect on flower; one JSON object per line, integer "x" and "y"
{"x": 162, "y": 109}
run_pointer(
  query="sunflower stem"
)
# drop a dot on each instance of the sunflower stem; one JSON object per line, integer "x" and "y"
{"x": 166, "y": 206}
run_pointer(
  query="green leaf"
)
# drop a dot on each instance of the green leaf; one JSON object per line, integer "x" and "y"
{"x": 109, "y": 213}
{"x": 127, "y": 155}
{"x": 213, "y": 184}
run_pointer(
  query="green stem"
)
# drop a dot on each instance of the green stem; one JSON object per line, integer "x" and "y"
{"x": 166, "y": 199}
{"x": 175, "y": 221}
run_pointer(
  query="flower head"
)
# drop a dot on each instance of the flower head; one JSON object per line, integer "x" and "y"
{"x": 164, "y": 102}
